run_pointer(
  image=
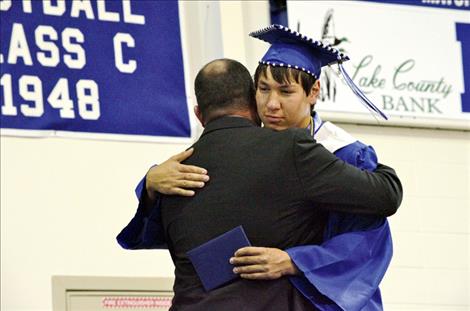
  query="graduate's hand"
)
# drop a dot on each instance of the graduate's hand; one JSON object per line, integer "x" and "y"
{"x": 172, "y": 177}
{"x": 262, "y": 263}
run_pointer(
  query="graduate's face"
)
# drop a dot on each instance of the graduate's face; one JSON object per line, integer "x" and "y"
{"x": 282, "y": 106}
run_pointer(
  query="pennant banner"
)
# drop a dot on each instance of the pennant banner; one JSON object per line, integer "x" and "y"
{"x": 107, "y": 69}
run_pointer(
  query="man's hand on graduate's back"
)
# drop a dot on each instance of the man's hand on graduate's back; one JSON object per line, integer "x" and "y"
{"x": 173, "y": 178}
{"x": 262, "y": 263}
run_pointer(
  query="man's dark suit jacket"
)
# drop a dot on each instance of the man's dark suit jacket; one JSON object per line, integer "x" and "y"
{"x": 278, "y": 185}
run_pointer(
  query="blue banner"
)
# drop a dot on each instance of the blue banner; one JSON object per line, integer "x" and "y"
{"x": 113, "y": 67}
{"x": 444, "y": 4}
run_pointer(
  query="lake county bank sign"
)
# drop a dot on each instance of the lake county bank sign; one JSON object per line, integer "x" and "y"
{"x": 425, "y": 96}
{"x": 411, "y": 57}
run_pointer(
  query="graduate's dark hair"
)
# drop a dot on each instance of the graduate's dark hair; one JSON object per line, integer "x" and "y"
{"x": 224, "y": 84}
{"x": 286, "y": 75}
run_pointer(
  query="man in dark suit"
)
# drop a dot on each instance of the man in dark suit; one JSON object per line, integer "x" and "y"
{"x": 277, "y": 185}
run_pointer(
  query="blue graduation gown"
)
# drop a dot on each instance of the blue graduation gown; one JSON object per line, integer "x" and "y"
{"x": 143, "y": 231}
{"x": 343, "y": 273}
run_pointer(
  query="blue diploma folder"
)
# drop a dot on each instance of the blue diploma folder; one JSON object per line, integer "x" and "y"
{"x": 211, "y": 259}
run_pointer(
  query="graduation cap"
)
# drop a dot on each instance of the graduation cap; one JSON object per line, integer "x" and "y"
{"x": 291, "y": 49}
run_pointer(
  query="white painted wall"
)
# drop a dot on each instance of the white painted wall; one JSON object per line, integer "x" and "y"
{"x": 430, "y": 267}
{"x": 64, "y": 200}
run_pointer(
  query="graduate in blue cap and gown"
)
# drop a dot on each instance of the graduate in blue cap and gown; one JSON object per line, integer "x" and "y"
{"x": 344, "y": 272}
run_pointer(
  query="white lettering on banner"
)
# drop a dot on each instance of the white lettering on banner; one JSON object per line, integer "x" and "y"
{"x": 48, "y": 54}
{"x": 82, "y": 5}
{"x": 462, "y": 2}
{"x": 129, "y": 17}
{"x": 59, "y": 98}
{"x": 30, "y": 89}
{"x": 5, "y": 5}
{"x": 34, "y": 95}
{"x": 27, "y": 8}
{"x": 118, "y": 40}
{"x": 106, "y": 15}
{"x": 50, "y": 9}
{"x": 458, "y": 3}
{"x": 78, "y": 6}
{"x": 80, "y": 61}
{"x": 19, "y": 46}
{"x": 90, "y": 100}
{"x": 39, "y": 34}
{"x": 48, "y": 46}
{"x": 7, "y": 108}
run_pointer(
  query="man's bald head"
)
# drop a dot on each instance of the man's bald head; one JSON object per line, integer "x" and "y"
{"x": 223, "y": 86}
{"x": 215, "y": 67}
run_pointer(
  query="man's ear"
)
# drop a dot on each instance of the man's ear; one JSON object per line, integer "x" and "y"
{"x": 314, "y": 92}
{"x": 198, "y": 114}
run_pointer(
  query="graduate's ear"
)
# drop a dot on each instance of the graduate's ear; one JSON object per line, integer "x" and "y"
{"x": 198, "y": 114}
{"x": 314, "y": 93}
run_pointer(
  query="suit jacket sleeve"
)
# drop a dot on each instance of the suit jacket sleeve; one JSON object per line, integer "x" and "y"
{"x": 337, "y": 186}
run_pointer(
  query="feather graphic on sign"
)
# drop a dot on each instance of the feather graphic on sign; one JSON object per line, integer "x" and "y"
{"x": 328, "y": 83}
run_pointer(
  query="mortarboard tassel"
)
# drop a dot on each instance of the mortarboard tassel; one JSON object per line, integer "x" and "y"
{"x": 365, "y": 101}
